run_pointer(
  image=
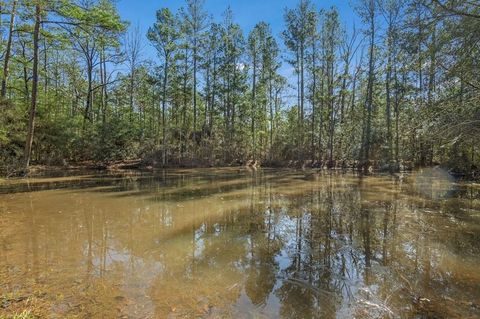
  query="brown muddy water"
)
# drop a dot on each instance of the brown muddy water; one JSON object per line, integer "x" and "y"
{"x": 230, "y": 243}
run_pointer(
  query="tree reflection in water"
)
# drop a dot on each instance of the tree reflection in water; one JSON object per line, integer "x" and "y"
{"x": 229, "y": 243}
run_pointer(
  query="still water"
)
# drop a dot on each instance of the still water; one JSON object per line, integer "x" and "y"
{"x": 233, "y": 243}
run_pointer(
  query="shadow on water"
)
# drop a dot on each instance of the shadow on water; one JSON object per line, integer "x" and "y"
{"x": 239, "y": 244}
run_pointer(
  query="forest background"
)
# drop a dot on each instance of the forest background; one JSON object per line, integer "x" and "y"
{"x": 396, "y": 87}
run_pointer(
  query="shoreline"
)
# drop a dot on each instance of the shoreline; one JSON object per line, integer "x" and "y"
{"x": 139, "y": 165}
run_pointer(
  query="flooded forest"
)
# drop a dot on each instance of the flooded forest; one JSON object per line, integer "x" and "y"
{"x": 239, "y": 159}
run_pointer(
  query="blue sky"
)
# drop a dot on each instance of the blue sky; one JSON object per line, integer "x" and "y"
{"x": 246, "y": 12}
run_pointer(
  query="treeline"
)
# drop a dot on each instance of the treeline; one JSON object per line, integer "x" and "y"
{"x": 398, "y": 91}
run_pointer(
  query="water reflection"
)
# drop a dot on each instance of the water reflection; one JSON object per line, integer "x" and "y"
{"x": 231, "y": 243}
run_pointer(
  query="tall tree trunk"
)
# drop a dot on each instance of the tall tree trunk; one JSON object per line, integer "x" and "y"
{"x": 369, "y": 98}
{"x": 207, "y": 95}
{"x": 302, "y": 83}
{"x": 397, "y": 120}
{"x": 297, "y": 57}
{"x": 212, "y": 103}
{"x": 314, "y": 97}
{"x": 347, "y": 58}
{"x": 164, "y": 100}
{"x": 102, "y": 83}
{"x": 234, "y": 71}
{"x": 332, "y": 112}
{"x": 195, "y": 86}
{"x": 420, "y": 59}
{"x": 33, "y": 105}
{"x": 433, "y": 63}
{"x": 184, "y": 131}
{"x": 388, "y": 93}
{"x": 131, "y": 90}
{"x": 270, "y": 99}
{"x": 302, "y": 99}
{"x": 254, "y": 90}
{"x": 8, "y": 50}
{"x": 88, "y": 107}
{"x": 105, "y": 88}
{"x": 431, "y": 84}
{"x": 354, "y": 91}
{"x": 45, "y": 70}
{"x": 320, "y": 111}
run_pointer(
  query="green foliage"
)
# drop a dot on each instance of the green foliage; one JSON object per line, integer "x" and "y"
{"x": 12, "y": 128}
{"x": 218, "y": 97}
{"x": 111, "y": 141}
{"x": 164, "y": 33}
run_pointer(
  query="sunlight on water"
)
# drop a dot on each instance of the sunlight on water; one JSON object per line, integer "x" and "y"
{"x": 236, "y": 244}
{"x": 433, "y": 182}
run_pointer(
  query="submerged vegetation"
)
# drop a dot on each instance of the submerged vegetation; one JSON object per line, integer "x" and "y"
{"x": 398, "y": 91}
